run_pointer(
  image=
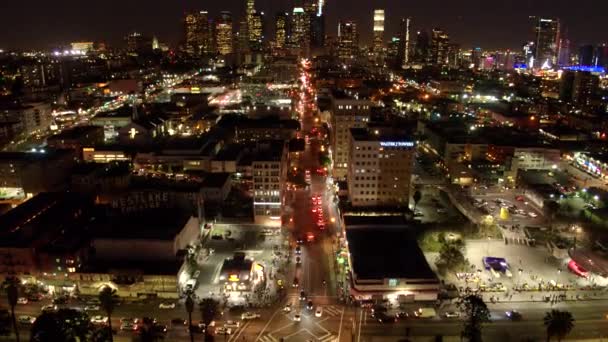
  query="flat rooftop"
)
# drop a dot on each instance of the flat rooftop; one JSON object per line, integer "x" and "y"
{"x": 76, "y": 132}
{"x": 378, "y": 252}
{"x": 215, "y": 180}
{"x": 381, "y": 134}
{"x": 157, "y": 224}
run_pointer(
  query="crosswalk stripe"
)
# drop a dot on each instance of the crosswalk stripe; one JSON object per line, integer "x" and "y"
{"x": 332, "y": 310}
{"x": 328, "y": 338}
{"x": 268, "y": 338}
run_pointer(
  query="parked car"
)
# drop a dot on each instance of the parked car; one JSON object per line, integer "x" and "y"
{"x": 232, "y": 324}
{"x": 99, "y": 319}
{"x": 128, "y": 326}
{"x": 26, "y": 319}
{"x": 91, "y": 308}
{"x": 223, "y": 331}
{"x": 452, "y": 314}
{"x": 22, "y": 300}
{"x": 297, "y": 318}
{"x": 249, "y": 316}
{"x": 319, "y": 312}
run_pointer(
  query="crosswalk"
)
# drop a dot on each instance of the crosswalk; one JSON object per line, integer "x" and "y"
{"x": 332, "y": 310}
{"x": 271, "y": 338}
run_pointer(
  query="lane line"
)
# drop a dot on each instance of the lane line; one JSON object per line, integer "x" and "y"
{"x": 359, "y": 331}
{"x": 236, "y": 336}
{"x": 340, "y": 327}
{"x": 267, "y": 324}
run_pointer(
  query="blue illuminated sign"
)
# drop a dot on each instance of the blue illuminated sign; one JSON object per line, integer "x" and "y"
{"x": 397, "y": 143}
{"x": 520, "y": 66}
{"x": 586, "y": 68}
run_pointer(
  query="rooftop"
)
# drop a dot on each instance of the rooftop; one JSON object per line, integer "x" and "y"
{"x": 379, "y": 252}
{"x": 77, "y": 132}
{"x": 215, "y": 180}
{"x": 158, "y": 224}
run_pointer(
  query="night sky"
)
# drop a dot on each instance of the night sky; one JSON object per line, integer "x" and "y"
{"x": 489, "y": 24}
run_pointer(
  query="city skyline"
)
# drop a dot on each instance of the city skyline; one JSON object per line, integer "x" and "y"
{"x": 467, "y": 22}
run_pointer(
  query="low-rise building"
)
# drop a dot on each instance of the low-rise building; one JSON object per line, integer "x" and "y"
{"x": 216, "y": 187}
{"x": 386, "y": 262}
{"x": 76, "y": 138}
{"x": 269, "y": 175}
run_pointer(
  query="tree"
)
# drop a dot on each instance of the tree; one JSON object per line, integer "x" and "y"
{"x": 62, "y": 325}
{"x": 551, "y": 209}
{"x": 11, "y": 287}
{"x": 108, "y": 300}
{"x": 558, "y": 324}
{"x": 209, "y": 310}
{"x": 324, "y": 159}
{"x": 417, "y": 198}
{"x": 476, "y": 313}
{"x": 5, "y": 322}
{"x": 189, "y": 309}
{"x": 451, "y": 256}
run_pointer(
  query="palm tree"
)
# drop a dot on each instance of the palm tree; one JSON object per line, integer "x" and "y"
{"x": 558, "y": 324}
{"x": 62, "y": 325}
{"x": 107, "y": 300}
{"x": 190, "y": 308}
{"x": 476, "y": 314}
{"x": 209, "y": 309}
{"x": 12, "y": 294}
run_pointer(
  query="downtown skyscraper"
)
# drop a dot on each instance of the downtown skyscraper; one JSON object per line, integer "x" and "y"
{"x": 198, "y": 34}
{"x": 546, "y": 42}
{"x": 378, "y": 43}
{"x": 348, "y": 39}
{"x": 404, "y": 41}
{"x": 223, "y": 33}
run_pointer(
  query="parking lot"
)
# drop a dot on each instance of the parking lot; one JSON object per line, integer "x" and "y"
{"x": 519, "y": 210}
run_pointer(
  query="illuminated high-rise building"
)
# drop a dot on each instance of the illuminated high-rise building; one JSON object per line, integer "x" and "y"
{"x": 300, "y": 30}
{"x": 378, "y": 43}
{"x": 198, "y": 36}
{"x": 440, "y": 45}
{"x": 281, "y": 29}
{"x": 404, "y": 41}
{"x": 223, "y": 33}
{"x": 348, "y": 39}
{"x": 249, "y": 10}
{"x": 546, "y": 42}
{"x": 256, "y": 31}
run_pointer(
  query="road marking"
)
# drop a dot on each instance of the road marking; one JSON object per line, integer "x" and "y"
{"x": 268, "y": 338}
{"x": 359, "y": 330}
{"x": 236, "y": 336}
{"x": 329, "y": 338}
{"x": 340, "y": 326}
{"x": 267, "y": 324}
{"x": 332, "y": 310}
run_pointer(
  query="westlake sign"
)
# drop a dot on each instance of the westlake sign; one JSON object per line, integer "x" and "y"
{"x": 397, "y": 143}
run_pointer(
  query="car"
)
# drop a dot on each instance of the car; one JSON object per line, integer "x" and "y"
{"x": 26, "y": 319}
{"x": 382, "y": 317}
{"x": 295, "y": 283}
{"x": 287, "y": 308}
{"x": 22, "y": 300}
{"x": 297, "y": 318}
{"x": 179, "y": 321}
{"x": 402, "y": 315}
{"x": 309, "y": 305}
{"x": 532, "y": 214}
{"x": 166, "y": 306}
{"x": 310, "y": 237}
{"x": 513, "y": 315}
{"x": 49, "y": 308}
{"x": 442, "y": 211}
{"x": 232, "y": 324}
{"x": 319, "y": 311}
{"x": 298, "y": 250}
{"x": 314, "y": 209}
{"x": 128, "y": 326}
{"x": 223, "y": 331}
{"x": 520, "y": 198}
{"x": 249, "y": 316}
{"x": 99, "y": 319}
{"x": 160, "y": 328}
{"x": 129, "y": 320}
{"x": 302, "y": 295}
{"x": 300, "y": 240}
{"x": 452, "y": 314}
{"x": 91, "y": 308}
{"x": 298, "y": 260}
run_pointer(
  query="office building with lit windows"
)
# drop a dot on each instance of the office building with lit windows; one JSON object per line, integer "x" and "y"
{"x": 198, "y": 37}
{"x": 378, "y": 30}
{"x": 269, "y": 174}
{"x": 281, "y": 30}
{"x": 223, "y": 33}
{"x": 379, "y": 167}
{"x": 348, "y": 39}
{"x": 546, "y": 41}
{"x": 300, "y": 31}
{"x": 346, "y": 113}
